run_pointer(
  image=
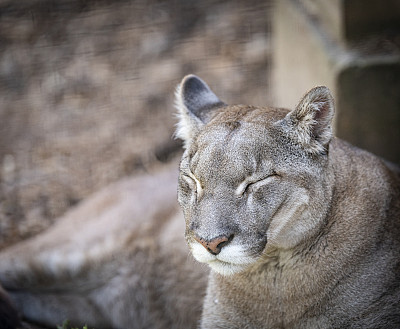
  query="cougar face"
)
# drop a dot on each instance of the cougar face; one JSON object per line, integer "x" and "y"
{"x": 240, "y": 190}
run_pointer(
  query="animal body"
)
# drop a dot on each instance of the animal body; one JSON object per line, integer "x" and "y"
{"x": 118, "y": 260}
{"x": 300, "y": 229}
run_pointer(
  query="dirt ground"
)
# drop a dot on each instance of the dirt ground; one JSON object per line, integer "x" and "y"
{"x": 86, "y": 91}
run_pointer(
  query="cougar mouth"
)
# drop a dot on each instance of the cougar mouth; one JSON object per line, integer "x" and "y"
{"x": 232, "y": 258}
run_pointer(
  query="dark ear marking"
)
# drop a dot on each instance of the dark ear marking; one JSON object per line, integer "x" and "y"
{"x": 198, "y": 97}
{"x": 195, "y": 102}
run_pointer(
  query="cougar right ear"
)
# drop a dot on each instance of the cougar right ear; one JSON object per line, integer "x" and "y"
{"x": 310, "y": 122}
{"x": 195, "y": 102}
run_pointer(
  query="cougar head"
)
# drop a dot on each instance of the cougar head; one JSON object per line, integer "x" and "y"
{"x": 250, "y": 177}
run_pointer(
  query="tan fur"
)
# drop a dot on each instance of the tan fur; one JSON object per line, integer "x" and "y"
{"x": 118, "y": 260}
{"x": 309, "y": 228}
{"x": 313, "y": 222}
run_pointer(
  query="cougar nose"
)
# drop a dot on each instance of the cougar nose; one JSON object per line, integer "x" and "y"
{"x": 215, "y": 245}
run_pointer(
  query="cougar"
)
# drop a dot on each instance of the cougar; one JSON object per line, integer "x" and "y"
{"x": 300, "y": 229}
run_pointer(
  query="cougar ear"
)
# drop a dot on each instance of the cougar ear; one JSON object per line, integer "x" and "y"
{"x": 195, "y": 103}
{"x": 310, "y": 121}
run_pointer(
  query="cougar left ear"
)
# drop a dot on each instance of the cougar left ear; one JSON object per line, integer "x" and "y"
{"x": 195, "y": 102}
{"x": 310, "y": 122}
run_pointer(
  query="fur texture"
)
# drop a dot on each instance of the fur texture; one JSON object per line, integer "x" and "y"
{"x": 309, "y": 228}
{"x": 118, "y": 260}
{"x": 194, "y": 100}
{"x": 313, "y": 222}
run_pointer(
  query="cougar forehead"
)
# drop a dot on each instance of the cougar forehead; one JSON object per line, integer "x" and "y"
{"x": 230, "y": 115}
{"x": 234, "y": 142}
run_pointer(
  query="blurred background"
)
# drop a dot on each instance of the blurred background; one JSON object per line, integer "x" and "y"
{"x": 86, "y": 91}
{"x": 86, "y": 87}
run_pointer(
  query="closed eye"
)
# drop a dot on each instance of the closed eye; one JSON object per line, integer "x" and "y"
{"x": 194, "y": 183}
{"x": 189, "y": 180}
{"x": 254, "y": 183}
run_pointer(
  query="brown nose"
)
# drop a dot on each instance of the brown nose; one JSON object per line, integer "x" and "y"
{"x": 215, "y": 245}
